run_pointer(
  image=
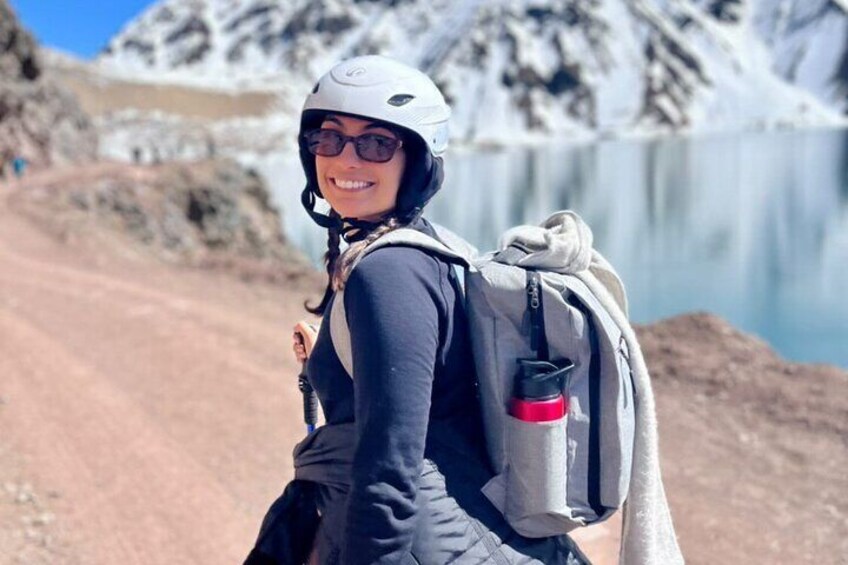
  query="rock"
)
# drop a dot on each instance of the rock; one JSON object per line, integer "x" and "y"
{"x": 746, "y": 445}
{"x": 39, "y": 120}
{"x": 24, "y": 497}
{"x": 42, "y": 519}
{"x": 211, "y": 214}
{"x": 18, "y": 59}
{"x": 711, "y": 358}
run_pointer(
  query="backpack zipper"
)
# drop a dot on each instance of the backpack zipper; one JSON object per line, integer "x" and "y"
{"x": 538, "y": 340}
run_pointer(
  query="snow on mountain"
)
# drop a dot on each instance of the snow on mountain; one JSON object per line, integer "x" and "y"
{"x": 519, "y": 69}
{"x": 809, "y": 43}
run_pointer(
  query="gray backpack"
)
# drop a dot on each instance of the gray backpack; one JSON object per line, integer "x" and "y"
{"x": 551, "y": 477}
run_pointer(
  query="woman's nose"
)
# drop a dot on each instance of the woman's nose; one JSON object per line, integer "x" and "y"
{"x": 348, "y": 155}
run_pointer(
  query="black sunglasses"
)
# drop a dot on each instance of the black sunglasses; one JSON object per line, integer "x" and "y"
{"x": 369, "y": 146}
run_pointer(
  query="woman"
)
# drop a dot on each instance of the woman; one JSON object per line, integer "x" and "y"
{"x": 402, "y": 456}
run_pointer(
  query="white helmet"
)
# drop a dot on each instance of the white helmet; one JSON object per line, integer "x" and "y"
{"x": 384, "y": 89}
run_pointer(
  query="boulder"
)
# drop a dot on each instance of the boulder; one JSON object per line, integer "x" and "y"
{"x": 212, "y": 213}
{"x": 39, "y": 120}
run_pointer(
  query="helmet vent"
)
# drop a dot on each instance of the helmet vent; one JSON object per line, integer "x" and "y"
{"x": 400, "y": 99}
{"x": 315, "y": 88}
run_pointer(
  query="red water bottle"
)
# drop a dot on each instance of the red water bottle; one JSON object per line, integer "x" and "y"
{"x": 537, "y": 390}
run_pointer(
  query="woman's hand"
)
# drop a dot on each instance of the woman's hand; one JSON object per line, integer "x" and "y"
{"x": 303, "y": 340}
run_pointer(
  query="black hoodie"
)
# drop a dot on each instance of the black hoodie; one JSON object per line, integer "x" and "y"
{"x": 413, "y": 364}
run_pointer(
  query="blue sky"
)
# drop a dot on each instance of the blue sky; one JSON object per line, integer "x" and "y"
{"x": 82, "y": 27}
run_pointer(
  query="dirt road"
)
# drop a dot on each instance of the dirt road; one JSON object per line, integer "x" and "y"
{"x": 147, "y": 411}
{"x": 152, "y": 404}
{"x": 147, "y": 415}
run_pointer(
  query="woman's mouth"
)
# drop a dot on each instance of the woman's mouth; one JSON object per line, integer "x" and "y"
{"x": 351, "y": 185}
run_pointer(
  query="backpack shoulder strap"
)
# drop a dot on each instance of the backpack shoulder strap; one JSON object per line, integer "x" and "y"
{"x": 340, "y": 333}
{"x": 456, "y": 243}
{"x": 408, "y": 237}
{"x": 405, "y": 237}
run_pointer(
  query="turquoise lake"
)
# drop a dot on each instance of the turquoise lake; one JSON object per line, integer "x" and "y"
{"x": 752, "y": 227}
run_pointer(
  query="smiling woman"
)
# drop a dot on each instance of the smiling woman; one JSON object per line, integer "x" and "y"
{"x": 350, "y": 175}
{"x": 395, "y": 474}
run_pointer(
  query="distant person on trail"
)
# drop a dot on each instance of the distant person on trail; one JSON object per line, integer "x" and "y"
{"x": 395, "y": 474}
{"x": 19, "y": 165}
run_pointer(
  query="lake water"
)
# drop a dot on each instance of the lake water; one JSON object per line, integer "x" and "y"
{"x": 752, "y": 227}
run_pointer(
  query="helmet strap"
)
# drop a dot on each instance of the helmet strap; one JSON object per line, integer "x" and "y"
{"x": 354, "y": 230}
{"x": 351, "y": 229}
{"x": 307, "y": 198}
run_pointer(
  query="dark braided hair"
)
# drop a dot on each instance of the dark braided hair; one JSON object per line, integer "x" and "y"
{"x": 334, "y": 238}
{"x": 352, "y": 253}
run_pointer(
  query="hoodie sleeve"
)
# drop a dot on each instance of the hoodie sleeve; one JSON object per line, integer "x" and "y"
{"x": 392, "y": 303}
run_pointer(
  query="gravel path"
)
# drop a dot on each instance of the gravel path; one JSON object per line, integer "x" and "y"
{"x": 147, "y": 414}
{"x": 146, "y": 399}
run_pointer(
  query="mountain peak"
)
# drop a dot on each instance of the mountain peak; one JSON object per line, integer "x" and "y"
{"x": 537, "y": 67}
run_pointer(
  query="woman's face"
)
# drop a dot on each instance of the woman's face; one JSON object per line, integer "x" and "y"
{"x": 356, "y": 188}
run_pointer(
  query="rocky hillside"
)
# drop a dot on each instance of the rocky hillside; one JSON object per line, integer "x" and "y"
{"x": 529, "y": 66}
{"x": 754, "y": 445}
{"x": 211, "y": 213}
{"x": 39, "y": 120}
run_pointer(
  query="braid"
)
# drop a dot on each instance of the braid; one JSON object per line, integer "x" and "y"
{"x": 339, "y": 265}
{"x": 334, "y": 238}
{"x": 330, "y": 258}
{"x": 352, "y": 253}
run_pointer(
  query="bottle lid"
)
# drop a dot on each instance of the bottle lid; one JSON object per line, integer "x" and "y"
{"x": 540, "y": 380}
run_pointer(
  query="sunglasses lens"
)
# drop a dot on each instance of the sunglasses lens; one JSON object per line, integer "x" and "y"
{"x": 375, "y": 147}
{"x": 324, "y": 142}
{"x": 370, "y": 146}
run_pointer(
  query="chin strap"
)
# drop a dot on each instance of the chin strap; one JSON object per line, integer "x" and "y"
{"x": 351, "y": 229}
{"x": 307, "y": 198}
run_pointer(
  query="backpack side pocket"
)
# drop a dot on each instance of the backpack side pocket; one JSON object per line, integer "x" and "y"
{"x": 536, "y": 502}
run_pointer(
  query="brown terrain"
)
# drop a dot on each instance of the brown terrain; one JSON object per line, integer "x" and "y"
{"x": 148, "y": 403}
{"x": 146, "y": 409}
{"x": 99, "y": 95}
